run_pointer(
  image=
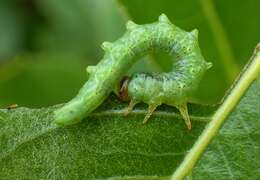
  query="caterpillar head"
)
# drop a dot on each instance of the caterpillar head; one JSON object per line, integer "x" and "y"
{"x": 123, "y": 89}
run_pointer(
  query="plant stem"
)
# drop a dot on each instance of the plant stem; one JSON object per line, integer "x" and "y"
{"x": 250, "y": 73}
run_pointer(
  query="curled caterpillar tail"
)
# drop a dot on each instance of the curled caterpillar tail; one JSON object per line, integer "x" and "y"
{"x": 170, "y": 88}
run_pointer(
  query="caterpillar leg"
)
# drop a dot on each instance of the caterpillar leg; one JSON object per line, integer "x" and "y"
{"x": 151, "y": 109}
{"x": 184, "y": 112}
{"x": 130, "y": 107}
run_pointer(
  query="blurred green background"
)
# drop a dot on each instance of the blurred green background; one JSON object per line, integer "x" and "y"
{"x": 45, "y": 45}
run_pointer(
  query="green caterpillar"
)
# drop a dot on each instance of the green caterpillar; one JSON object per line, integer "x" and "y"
{"x": 171, "y": 88}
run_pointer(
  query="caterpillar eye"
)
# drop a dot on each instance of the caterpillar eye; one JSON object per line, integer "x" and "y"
{"x": 123, "y": 90}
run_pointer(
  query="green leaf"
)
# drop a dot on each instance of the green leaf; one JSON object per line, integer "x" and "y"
{"x": 104, "y": 145}
{"x": 107, "y": 144}
{"x": 234, "y": 153}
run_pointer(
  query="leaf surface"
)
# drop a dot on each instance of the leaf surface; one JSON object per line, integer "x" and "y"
{"x": 234, "y": 153}
{"x": 104, "y": 145}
